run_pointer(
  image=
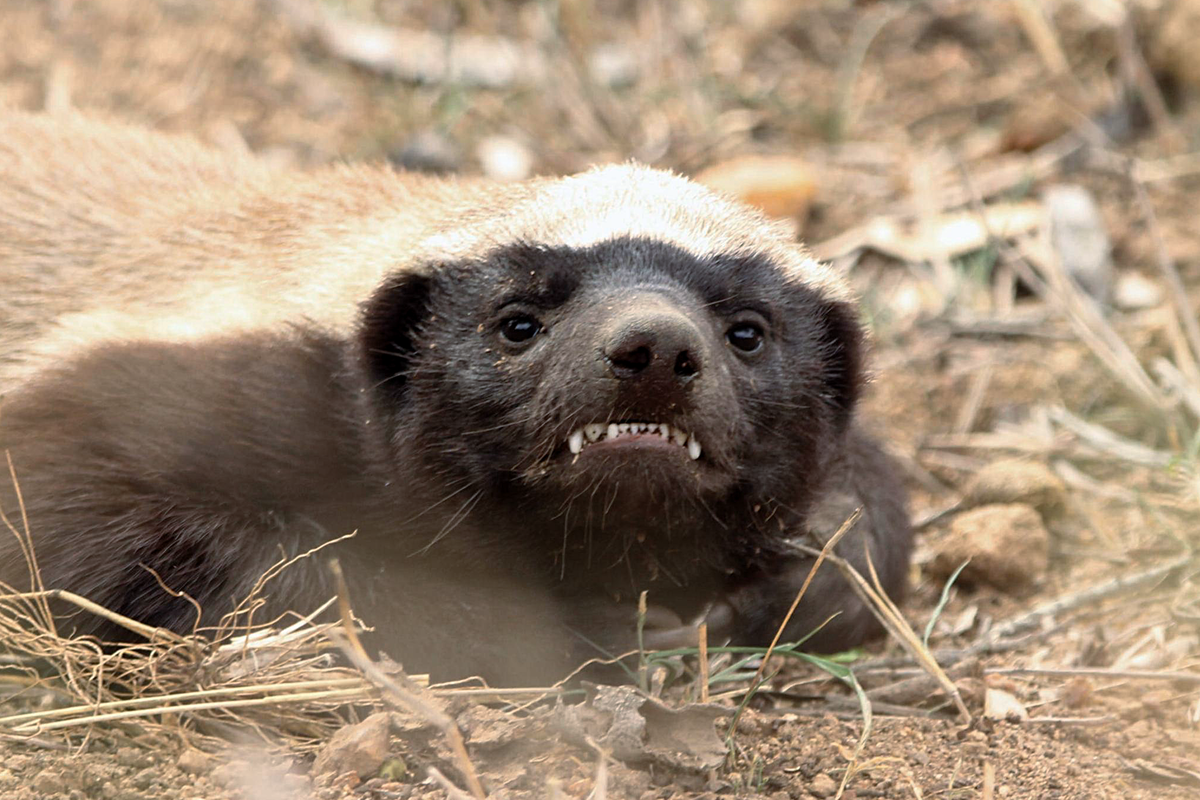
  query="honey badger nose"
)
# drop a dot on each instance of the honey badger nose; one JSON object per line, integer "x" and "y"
{"x": 659, "y": 346}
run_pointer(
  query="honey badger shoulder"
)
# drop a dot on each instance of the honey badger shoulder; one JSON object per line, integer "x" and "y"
{"x": 531, "y": 402}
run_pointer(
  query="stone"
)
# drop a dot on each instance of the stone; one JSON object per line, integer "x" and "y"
{"x": 1017, "y": 481}
{"x": 822, "y": 786}
{"x": 359, "y": 748}
{"x": 49, "y": 783}
{"x": 1079, "y": 237}
{"x": 1007, "y": 545}
{"x": 194, "y": 762}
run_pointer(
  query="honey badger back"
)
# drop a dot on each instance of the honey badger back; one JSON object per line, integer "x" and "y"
{"x": 532, "y": 402}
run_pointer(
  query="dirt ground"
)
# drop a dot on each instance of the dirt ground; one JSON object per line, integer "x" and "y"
{"x": 1050, "y": 439}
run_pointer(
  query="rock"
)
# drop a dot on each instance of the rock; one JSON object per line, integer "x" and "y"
{"x": 504, "y": 159}
{"x": 1079, "y": 237}
{"x": 1001, "y": 705}
{"x": 360, "y": 748}
{"x": 614, "y": 65}
{"x": 822, "y": 786}
{"x": 427, "y": 151}
{"x": 1174, "y": 27}
{"x": 1032, "y": 125}
{"x": 49, "y": 783}
{"x": 1135, "y": 292}
{"x": 781, "y": 186}
{"x": 194, "y": 762}
{"x": 293, "y": 785}
{"x": 133, "y": 757}
{"x": 1007, "y": 546}
{"x": 1017, "y": 481}
{"x": 230, "y": 774}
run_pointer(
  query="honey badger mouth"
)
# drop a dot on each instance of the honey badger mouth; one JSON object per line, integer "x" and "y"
{"x": 618, "y": 433}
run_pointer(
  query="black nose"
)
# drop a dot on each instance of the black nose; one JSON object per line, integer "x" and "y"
{"x": 660, "y": 347}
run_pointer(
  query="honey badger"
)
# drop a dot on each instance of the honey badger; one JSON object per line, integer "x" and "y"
{"x": 531, "y": 402}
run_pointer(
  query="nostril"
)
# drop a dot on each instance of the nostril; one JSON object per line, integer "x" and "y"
{"x": 634, "y": 360}
{"x": 685, "y": 367}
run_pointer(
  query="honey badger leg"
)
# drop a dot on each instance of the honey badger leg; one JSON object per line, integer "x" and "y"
{"x": 864, "y": 477}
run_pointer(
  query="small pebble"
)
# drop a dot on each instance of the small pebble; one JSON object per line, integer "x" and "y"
{"x": 822, "y": 786}
{"x": 504, "y": 158}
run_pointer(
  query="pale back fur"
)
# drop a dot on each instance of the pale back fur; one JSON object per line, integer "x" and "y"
{"x": 109, "y": 232}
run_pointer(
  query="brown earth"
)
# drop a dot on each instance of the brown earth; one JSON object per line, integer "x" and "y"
{"x": 904, "y": 113}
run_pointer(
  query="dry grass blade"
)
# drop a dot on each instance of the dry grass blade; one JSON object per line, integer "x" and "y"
{"x": 825, "y": 551}
{"x": 1179, "y": 298}
{"x": 891, "y": 618}
{"x": 1089, "y": 324}
{"x": 1105, "y": 441}
{"x": 400, "y": 690}
{"x": 279, "y": 686}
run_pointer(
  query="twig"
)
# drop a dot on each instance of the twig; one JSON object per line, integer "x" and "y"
{"x": 178, "y": 698}
{"x": 1173, "y": 378}
{"x": 886, "y": 612}
{"x": 1080, "y": 311}
{"x": 1106, "y": 441}
{"x": 1174, "y": 676}
{"x": 150, "y": 632}
{"x": 300, "y": 697}
{"x": 1137, "y": 72}
{"x": 1088, "y": 596}
{"x": 399, "y": 690}
{"x": 1183, "y": 305}
{"x": 969, "y": 413}
{"x": 452, "y": 791}
{"x": 1107, "y": 719}
{"x": 865, "y": 32}
{"x": 821, "y": 556}
{"x": 1010, "y": 635}
{"x": 1039, "y": 32}
{"x": 912, "y": 690}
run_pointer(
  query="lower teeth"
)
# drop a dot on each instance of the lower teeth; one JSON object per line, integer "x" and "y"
{"x": 594, "y": 432}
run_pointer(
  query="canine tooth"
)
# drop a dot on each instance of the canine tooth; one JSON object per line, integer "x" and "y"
{"x": 680, "y": 438}
{"x": 613, "y": 430}
{"x": 593, "y": 431}
{"x": 575, "y": 441}
{"x": 693, "y": 447}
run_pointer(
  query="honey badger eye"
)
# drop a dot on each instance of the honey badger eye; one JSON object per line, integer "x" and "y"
{"x": 520, "y": 328}
{"x": 745, "y": 336}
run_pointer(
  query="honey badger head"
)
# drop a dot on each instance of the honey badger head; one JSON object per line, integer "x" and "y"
{"x": 644, "y": 372}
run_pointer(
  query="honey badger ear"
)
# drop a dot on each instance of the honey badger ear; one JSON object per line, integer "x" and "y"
{"x": 842, "y": 347}
{"x": 391, "y": 321}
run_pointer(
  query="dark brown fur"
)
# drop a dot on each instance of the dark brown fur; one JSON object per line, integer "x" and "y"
{"x": 207, "y": 365}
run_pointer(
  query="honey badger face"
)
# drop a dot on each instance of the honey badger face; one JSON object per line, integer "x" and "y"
{"x": 629, "y": 381}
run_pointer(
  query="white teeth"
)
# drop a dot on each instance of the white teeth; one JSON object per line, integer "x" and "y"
{"x": 597, "y": 431}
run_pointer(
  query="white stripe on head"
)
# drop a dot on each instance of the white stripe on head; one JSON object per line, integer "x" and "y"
{"x": 629, "y": 200}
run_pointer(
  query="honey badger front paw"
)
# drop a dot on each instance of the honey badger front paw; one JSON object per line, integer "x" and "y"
{"x": 614, "y": 629}
{"x": 829, "y": 618}
{"x": 670, "y": 632}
